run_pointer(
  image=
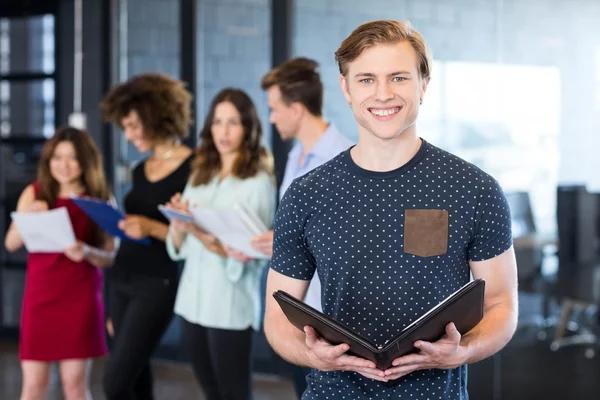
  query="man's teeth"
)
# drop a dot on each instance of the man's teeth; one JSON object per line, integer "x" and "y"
{"x": 383, "y": 113}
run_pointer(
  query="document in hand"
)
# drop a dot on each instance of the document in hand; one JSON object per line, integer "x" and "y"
{"x": 233, "y": 227}
{"x": 172, "y": 214}
{"x": 45, "y": 232}
{"x": 106, "y": 216}
{"x": 464, "y": 308}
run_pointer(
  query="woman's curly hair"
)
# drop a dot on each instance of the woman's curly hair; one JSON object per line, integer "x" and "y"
{"x": 162, "y": 103}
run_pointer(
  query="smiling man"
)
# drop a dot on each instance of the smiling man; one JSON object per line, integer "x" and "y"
{"x": 391, "y": 226}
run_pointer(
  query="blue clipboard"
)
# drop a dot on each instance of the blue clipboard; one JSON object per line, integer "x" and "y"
{"x": 106, "y": 216}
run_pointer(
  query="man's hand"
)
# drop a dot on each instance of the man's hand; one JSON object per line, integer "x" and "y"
{"x": 446, "y": 353}
{"x": 264, "y": 243}
{"x": 136, "y": 226}
{"x": 326, "y": 357}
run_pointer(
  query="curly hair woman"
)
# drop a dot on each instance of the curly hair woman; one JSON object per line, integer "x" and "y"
{"x": 153, "y": 110}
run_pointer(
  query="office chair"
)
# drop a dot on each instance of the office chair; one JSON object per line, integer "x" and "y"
{"x": 531, "y": 250}
{"x": 578, "y": 277}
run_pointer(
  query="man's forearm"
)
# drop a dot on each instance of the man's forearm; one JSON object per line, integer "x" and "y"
{"x": 288, "y": 342}
{"x": 493, "y": 333}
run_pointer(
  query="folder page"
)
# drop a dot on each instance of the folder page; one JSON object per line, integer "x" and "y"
{"x": 45, "y": 232}
{"x": 229, "y": 227}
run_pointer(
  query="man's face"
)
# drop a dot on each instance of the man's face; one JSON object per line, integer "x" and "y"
{"x": 286, "y": 118}
{"x": 384, "y": 88}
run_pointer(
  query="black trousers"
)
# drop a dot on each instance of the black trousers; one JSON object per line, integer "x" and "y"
{"x": 141, "y": 309}
{"x": 220, "y": 359}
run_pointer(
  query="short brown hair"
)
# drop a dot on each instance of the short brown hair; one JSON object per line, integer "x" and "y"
{"x": 299, "y": 82}
{"x": 383, "y": 32}
{"x": 253, "y": 157}
{"x": 163, "y": 104}
{"x": 90, "y": 163}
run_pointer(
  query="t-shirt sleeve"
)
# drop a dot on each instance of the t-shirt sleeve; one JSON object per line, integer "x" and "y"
{"x": 291, "y": 254}
{"x": 492, "y": 234}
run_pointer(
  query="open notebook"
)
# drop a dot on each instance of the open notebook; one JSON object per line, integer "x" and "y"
{"x": 464, "y": 308}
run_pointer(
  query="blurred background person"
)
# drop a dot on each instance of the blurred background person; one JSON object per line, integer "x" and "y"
{"x": 62, "y": 317}
{"x": 295, "y": 97}
{"x": 154, "y": 112}
{"x": 219, "y": 293}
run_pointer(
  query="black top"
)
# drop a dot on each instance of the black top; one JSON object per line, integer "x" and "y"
{"x": 143, "y": 199}
{"x": 389, "y": 246}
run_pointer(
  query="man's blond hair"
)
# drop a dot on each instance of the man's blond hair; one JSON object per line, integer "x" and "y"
{"x": 383, "y": 32}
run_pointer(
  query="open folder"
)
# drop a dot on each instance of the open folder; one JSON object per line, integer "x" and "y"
{"x": 233, "y": 227}
{"x": 106, "y": 216}
{"x": 464, "y": 308}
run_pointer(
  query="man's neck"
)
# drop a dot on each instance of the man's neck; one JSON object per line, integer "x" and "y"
{"x": 374, "y": 154}
{"x": 311, "y": 130}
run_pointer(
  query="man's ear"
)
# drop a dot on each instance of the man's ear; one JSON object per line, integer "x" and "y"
{"x": 297, "y": 109}
{"x": 424, "y": 84}
{"x": 344, "y": 86}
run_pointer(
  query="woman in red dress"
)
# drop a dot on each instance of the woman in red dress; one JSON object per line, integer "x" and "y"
{"x": 63, "y": 312}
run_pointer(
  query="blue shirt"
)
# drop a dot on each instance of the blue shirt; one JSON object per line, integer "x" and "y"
{"x": 329, "y": 145}
{"x": 215, "y": 291}
{"x": 388, "y": 247}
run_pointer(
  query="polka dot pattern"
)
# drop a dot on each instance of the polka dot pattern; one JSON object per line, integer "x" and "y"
{"x": 347, "y": 224}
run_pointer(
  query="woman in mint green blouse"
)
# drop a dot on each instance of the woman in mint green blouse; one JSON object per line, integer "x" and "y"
{"x": 218, "y": 295}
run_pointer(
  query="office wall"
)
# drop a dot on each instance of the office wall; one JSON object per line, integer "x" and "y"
{"x": 233, "y": 45}
{"x": 149, "y": 40}
{"x": 234, "y": 49}
{"x": 536, "y": 32}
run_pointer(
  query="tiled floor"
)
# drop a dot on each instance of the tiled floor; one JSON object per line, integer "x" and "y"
{"x": 172, "y": 381}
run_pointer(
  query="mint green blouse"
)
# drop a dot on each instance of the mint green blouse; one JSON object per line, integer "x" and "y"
{"x": 214, "y": 291}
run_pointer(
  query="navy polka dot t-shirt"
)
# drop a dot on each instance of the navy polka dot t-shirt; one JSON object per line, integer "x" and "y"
{"x": 380, "y": 265}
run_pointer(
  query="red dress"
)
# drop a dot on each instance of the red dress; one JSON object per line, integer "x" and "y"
{"x": 63, "y": 312}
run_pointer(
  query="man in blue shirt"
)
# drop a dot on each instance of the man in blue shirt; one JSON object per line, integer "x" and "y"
{"x": 392, "y": 226}
{"x": 295, "y": 97}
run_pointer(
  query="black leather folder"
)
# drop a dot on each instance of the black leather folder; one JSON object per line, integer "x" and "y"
{"x": 464, "y": 307}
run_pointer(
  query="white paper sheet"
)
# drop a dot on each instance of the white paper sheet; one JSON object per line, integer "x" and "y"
{"x": 45, "y": 232}
{"x": 231, "y": 227}
{"x": 171, "y": 214}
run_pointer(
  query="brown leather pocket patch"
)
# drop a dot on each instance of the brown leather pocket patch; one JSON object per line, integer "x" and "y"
{"x": 426, "y": 232}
